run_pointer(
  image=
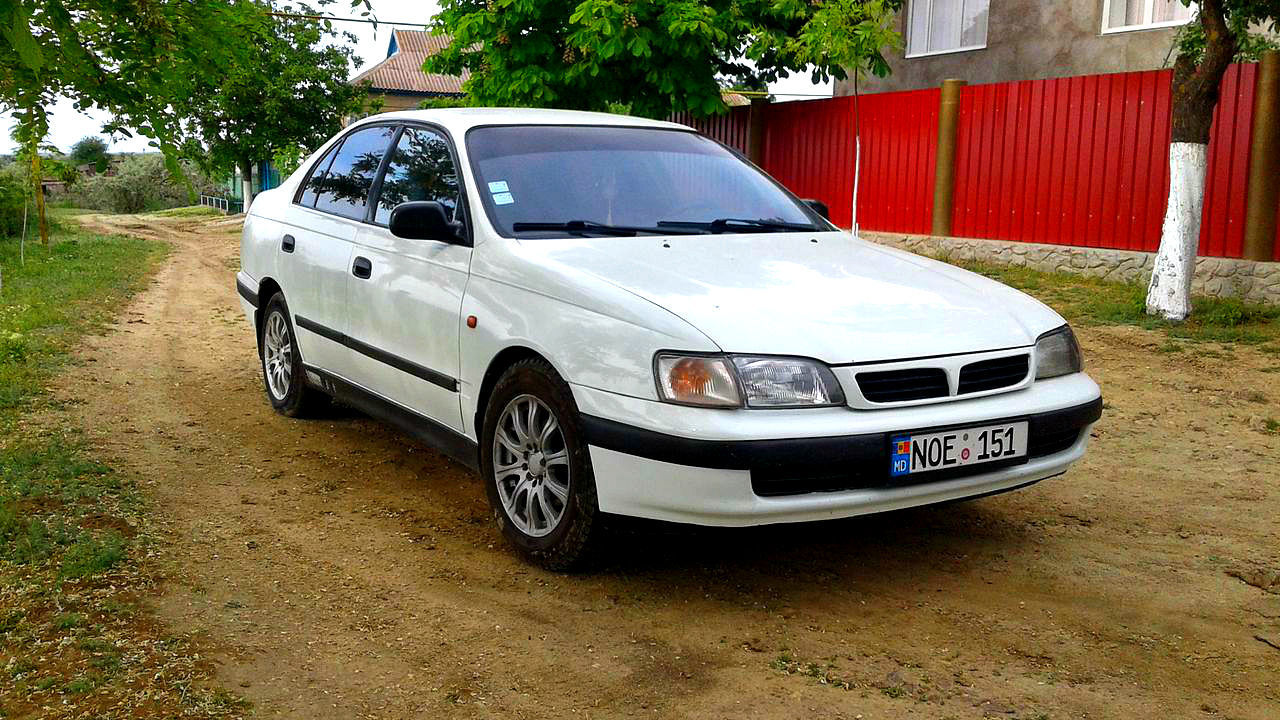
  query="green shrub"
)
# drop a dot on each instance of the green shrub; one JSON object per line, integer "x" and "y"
{"x": 141, "y": 183}
{"x": 13, "y": 198}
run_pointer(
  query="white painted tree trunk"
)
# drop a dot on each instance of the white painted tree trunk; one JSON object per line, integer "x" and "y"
{"x": 246, "y": 187}
{"x": 1169, "y": 294}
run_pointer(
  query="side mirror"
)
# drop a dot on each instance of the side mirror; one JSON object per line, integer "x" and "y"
{"x": 424, "y": 220}
{"x": 818, "y": 206}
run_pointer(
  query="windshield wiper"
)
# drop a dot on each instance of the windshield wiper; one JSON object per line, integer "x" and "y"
{"x": 721, "y": 225}
{"x": 589, "y": 226}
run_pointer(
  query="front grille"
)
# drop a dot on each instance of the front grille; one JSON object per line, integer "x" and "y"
{"x": 993, "y": 374}
{"x": 903, "y": 385}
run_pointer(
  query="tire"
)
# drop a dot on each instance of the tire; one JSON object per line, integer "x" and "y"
{"x": 283, "y": 376}
{"x": 525, "y": 498}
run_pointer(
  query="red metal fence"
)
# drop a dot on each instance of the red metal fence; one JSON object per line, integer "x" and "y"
{"x": 1071, "y": 161}
{"x": 1084, "y": 161}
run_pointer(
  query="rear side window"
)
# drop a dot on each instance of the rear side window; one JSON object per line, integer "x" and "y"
{"x": 317, "y": 175}
{"x": 344, "y": 189}
{"x": 420, "y": 168}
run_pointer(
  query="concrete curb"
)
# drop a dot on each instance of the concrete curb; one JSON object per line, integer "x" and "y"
{"x": 1219, "y": 277}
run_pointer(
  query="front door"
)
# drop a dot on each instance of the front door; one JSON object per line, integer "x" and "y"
{"x": 404, "y": 305}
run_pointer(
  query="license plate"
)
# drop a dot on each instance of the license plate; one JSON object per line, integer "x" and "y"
{"x": 917, "y": 453}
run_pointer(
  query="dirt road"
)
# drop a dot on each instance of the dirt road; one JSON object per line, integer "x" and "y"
{"x": 339, "y": 570}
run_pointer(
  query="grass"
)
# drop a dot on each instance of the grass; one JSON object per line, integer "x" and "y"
{"x": 1093, "y": 301}
{"x": 56, "y": 295}
{"x": 74, "y": 531}
{"x": 787, "y": 664}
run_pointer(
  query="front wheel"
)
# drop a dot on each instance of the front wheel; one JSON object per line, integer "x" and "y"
{"x": 537, "y": 470}
{"x": 282, "y": 371}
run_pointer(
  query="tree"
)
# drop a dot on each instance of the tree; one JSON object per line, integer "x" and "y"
{"x": 139, "y": 60}
{"x": 654, "y": 56}
{"x": 1205, "y": 50}
{"x": 90, "y": 150}
{"x": 132, "y": 58}
{"x": 291, "y": 92}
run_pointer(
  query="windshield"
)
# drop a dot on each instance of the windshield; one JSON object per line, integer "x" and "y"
{"x": 559, "y": 181}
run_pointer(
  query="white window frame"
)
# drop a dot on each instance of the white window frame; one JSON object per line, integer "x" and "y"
{"x": 911, "y": 8}
{"x": 1146, "y": 24}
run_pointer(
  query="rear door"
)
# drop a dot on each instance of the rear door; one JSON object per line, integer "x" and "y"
{"x": 405, "y": 313}
{"x": 316, "y": 244}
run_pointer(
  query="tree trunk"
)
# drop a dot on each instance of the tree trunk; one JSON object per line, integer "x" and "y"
{"x": 1169, "y": 294}
{"x": 246, "y": 182}
{"x": 37, "y": 186}
{"x": 1195, "y": 95}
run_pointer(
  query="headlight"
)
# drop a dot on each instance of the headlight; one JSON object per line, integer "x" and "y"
{"x": 764, "y": 382}
{"x": 787, "y": 382}
{"x": 697, "y": 380}
{"x": 1058, "y": 353}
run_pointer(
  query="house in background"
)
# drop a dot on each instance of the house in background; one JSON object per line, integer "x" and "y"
{"x": 988, "y": 41}
{"x": 399, "y": 80}
{"x": 264, "y": 176}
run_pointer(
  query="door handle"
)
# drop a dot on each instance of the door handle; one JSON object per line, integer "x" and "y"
{"x": 362, "y": 268}
{"x": 286, "y": 243}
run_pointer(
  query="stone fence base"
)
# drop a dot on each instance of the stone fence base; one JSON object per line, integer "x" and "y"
{"x": 1219, "y": 277}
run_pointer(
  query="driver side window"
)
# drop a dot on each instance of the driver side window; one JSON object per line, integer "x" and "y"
{"x": 420, "y": 168}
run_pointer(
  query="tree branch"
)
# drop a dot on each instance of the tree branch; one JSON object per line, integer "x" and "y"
{"x": 1195, "y": 84}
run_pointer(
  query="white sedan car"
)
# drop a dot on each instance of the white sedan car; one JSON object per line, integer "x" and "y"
{"x": 606, "y": 315}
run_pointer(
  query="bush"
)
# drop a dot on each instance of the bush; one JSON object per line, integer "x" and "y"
{"x": 12, "y": 199}
{"x": 140, "y": 184}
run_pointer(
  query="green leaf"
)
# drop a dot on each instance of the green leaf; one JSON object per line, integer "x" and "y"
{"x": 19, "y": 35}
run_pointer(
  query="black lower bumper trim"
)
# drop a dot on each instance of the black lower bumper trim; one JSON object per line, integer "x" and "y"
{"x": 797, "y": 465}
{"x": 247, "y": 293}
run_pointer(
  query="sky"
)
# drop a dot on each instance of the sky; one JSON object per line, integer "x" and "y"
{"x": 67, "y": 125}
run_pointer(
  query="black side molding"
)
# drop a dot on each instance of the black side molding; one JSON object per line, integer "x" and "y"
{"x": 382, "y": 356}
{"x": 445, "y": 439}
{"x": 247, "y": 293}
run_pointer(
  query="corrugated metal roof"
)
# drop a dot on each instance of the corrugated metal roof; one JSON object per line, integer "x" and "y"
{"x": 402, "y": 71}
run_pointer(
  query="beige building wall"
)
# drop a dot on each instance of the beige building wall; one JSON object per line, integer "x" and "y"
{"x": 1030, "y": 40}
{"x": 392, "y": 103}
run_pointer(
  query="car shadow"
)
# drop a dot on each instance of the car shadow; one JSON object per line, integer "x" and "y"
{"x": 915, "y": 544}
{"x": 952, "y": 537}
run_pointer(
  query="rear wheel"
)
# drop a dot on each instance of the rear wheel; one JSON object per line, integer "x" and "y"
{"x": 537, "y": 470}
{"x": 282, "y": 371}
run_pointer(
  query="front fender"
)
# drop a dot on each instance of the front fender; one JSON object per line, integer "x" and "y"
{"x": 591, "y": 347}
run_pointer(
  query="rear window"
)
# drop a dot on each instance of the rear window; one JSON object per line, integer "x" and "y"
{"x": 317, "y": 175}
{"x": 344, "y": 188}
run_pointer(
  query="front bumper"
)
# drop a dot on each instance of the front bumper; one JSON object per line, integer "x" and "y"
{"x": 249, "y": 299}
{"x": 741, "y": 480}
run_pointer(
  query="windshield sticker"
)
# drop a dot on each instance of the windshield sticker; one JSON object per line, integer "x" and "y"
{"x": 503, "y": 198}
{"x": 498, "y": 186}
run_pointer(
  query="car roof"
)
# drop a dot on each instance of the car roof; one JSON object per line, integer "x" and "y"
{"x": 459, "y": 120}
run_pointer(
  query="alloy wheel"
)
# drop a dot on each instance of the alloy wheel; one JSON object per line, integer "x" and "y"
{"x": 531, "y": 466}
{"x": 277, "y": 355}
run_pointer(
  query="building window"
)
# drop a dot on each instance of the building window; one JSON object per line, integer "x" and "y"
{"x": 943, "y": 26}
{"x": 1124, "y": 15}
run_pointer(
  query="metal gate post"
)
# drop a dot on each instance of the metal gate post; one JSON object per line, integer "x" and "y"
{"x": 945, "y": 174}
{"x": 1263, "y": 198}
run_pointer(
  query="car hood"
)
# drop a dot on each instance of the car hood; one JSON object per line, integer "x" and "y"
{"x": 828, "y": 296}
